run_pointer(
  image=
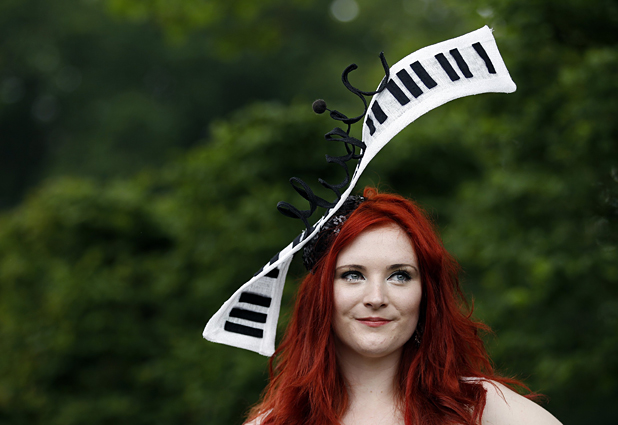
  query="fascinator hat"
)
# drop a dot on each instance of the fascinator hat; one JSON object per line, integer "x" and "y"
{"x": 423, "y": 80}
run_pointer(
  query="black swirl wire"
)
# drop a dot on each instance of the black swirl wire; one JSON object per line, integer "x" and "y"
{"x": 336, "y": 135}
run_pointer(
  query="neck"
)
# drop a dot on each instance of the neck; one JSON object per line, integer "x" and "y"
{"x": 368, "y": 377}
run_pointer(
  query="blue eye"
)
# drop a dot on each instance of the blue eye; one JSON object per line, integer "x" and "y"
{"x": 351, "y": 276}
{"x": 400, "y": 276}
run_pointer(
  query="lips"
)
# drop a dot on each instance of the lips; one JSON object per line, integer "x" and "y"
{"x": 374, "y": 322}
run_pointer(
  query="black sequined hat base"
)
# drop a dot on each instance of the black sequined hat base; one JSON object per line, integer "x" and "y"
{"x": 318, "y": 246}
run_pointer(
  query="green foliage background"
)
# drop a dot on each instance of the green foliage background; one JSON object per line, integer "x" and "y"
{"x": 145, "y": 144}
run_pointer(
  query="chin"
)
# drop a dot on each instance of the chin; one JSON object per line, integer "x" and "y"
{"x": 369, "y": 349}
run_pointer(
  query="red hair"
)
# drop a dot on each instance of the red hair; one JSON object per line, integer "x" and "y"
{"x": 306, "y": 385}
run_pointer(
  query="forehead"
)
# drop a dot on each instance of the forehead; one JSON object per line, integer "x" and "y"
{"x": 383, "y": 244}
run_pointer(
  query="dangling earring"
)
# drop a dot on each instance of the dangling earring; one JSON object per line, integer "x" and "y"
{"x": 417, "y": 339}
{"x": 418, "y": 334}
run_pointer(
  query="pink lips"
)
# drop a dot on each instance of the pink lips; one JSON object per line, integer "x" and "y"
{"x": 374, "y": 322}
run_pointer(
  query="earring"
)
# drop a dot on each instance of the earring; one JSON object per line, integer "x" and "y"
{"x": 417, "y": 339}
{"x": 418, "y": 334}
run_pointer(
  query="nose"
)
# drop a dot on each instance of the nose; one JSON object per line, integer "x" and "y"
{"x": 375, "y": 295}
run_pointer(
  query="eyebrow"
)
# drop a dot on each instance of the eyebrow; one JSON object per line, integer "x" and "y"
{"x": 399, "y": 266}
{"x": 391, "y": 267}
{"x": 351, "y": 266}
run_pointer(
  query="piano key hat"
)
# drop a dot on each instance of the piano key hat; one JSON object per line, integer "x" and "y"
{"x": 430, "y": 77}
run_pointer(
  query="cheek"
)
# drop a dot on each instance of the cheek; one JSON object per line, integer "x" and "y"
{"x": 343, "y": 299}
{"x": 338, "y": 312}
{"x": 337, "y": 305}
{"x": 409, "y": 307}
{"x": 410, "y": 303}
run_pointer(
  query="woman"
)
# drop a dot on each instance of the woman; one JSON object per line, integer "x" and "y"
{"x": 378, "y": 335}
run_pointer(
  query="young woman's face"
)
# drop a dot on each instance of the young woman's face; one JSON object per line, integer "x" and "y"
{"x": 377, "y": 293}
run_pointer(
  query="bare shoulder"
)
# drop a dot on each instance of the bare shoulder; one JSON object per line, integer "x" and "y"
{"x": 505, "y": 407}
{"x": 256, "y": 421}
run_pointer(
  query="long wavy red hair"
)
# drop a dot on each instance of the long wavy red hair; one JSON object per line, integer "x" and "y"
{"x": 306, "y": 386}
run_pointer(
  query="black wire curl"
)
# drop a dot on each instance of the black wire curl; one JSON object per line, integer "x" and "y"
{"x": 335, "y": 135}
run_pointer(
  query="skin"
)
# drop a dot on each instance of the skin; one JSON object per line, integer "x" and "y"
{"x": 505, "y": 407}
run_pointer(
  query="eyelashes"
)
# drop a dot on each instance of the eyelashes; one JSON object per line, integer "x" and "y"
{"x": 351, "y": 275}
{"x": 399, "y": 276}
{"x": 402, "y": 275}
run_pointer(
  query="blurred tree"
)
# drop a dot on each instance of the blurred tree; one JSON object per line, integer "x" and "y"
{"x": 104, "y": 289}
{"x": 538, "y": 233}
{"x": 102, "y": 89}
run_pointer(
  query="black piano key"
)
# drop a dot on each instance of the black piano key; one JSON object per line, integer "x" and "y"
{"x": 274, "y": 273}
{"x": 275, "y": 258}
{"x": 378, "y": 113}
{"x": 461, "y": 63}
{"x": 423, "y": 75}
{"x": 483, "y": 54}
{"x": 372, "y": 128}
{"x": 392, "y": 87}
{"x": 244, "y": 330}
{"x": 253, "y": 316}
{"x": 409, "y": 83}
{"x": 445, "y": 64}
{"x": 256, "y": 299}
